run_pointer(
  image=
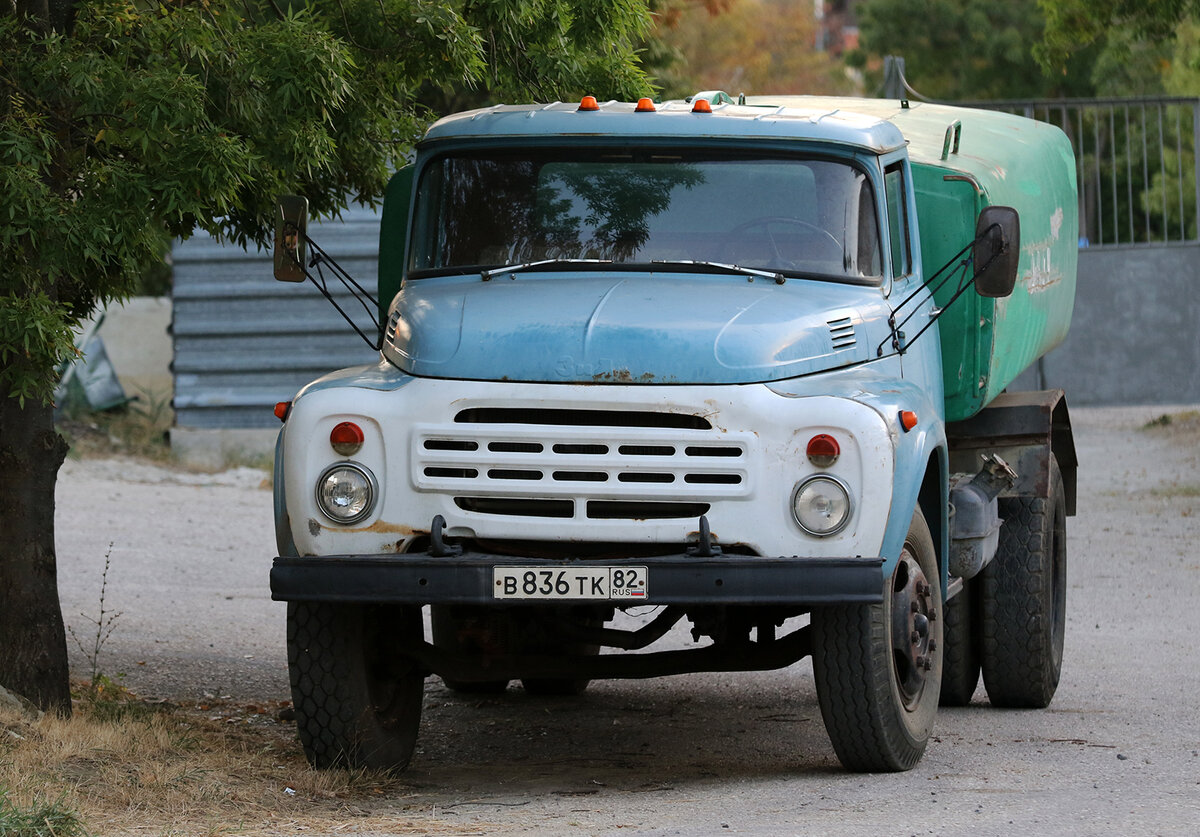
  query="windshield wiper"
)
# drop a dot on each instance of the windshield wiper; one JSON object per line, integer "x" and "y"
{"x": 487, "y": 275}
{"x": 721, "y": 267}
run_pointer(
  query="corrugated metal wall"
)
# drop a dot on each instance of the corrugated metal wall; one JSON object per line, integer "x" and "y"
{"x": 244, "y": 341}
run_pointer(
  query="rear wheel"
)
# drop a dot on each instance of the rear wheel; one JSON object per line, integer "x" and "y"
{"x": 960, "y": 670}
{"x": 357, "y": 701}
{"x": 878, "y": 668}
{"x": 538, "y": 641}
{"x": 465, "y": 630}
{"x": 1024, "y": 600}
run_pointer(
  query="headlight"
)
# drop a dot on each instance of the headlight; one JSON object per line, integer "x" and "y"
{"x": 821, "y": 506}
{"x": 346, "y": 492}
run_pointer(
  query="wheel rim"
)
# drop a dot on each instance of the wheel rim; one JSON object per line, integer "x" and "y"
{"x": 912, "y": 638}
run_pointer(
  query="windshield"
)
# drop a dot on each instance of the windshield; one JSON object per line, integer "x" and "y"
{"x": 478, "y": 211}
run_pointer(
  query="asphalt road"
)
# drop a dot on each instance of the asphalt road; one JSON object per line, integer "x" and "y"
{"x": 1117, "y": 753}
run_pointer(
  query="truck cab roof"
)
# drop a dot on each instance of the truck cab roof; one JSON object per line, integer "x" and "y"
{"x": 808, "y": 119}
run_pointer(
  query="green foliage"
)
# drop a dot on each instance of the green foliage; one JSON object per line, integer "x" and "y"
{"x": 150, "y": 119}
{"x": 969, "y": 49}
{"x": 1074, "y": 25}
{"x": 41, "y": 819}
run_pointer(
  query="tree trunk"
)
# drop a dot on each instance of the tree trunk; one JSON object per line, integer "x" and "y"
{"x": 33, "y": 645}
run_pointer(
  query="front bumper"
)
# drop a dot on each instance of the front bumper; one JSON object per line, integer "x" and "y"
{"x": 683, "y": 579}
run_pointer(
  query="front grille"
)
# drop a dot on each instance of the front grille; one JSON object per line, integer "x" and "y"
{"x": 582, "y": 464}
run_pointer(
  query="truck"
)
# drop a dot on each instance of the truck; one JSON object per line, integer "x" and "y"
{"x": 739, "y": 366}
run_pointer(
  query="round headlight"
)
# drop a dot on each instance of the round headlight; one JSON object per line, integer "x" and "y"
{"x": 821, "y": 506}
{"x": 346, "y": 492}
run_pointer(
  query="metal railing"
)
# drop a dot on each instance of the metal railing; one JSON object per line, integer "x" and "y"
{"x": 1136, "y": 164}
{"x": 1136, "y": 160}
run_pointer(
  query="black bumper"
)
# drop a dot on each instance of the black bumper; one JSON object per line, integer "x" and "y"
{"x": 673, "y": 579}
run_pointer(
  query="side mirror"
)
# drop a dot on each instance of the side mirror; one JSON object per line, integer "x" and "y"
{"x": 997, "y": 249}
{"x": 291, "y": 249}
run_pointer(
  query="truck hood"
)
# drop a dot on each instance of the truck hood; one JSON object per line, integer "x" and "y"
{"x": 650, "y": 327}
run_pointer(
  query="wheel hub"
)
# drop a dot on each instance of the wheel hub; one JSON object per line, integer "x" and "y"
{"x": 913, "y": 644}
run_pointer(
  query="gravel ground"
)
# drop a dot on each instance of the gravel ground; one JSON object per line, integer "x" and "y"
{"x": 1117, "y": 752}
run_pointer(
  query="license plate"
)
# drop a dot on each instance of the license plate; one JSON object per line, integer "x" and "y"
{"x": 621, "y": 583}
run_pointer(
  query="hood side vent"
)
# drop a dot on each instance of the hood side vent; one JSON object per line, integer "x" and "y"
{"x": 842, "y": 332}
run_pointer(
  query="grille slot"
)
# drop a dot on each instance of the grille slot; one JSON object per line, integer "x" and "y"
{"x": 450, "y": 444}
{"x": 695, "y": 450}
{"x": 452, "y": 473}
{"x": 581, "y": 418}
{"x": 515, "y": 447}
{"x": 581, "y": 476}
{"x": 713, "y": 479}
{"x": 513, "y": 474}
{"x": 517, "y": 508}
{"x": 634, "y": 476}
{"x": 582, "y": 450}
{"x": 627, "y": 510}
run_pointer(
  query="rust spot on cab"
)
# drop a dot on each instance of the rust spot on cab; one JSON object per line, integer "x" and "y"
{"x": 382, "y": 527}
{"x": 622, "y": 376}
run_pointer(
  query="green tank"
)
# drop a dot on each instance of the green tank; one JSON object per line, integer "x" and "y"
{"x": 964, "y": 159}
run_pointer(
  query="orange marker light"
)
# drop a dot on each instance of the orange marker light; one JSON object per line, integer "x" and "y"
{"x": 908, "y": 420}
{"x": 282, "y": 409}
{"x": 346, "y": 438}
{"x": 701, "y": 106}
{"x": 823, "y": 450}
{"x": 645, "y": 105}
{"x": 589, "y": 103}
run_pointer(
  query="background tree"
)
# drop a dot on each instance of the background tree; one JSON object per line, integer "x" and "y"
{"x": 1073, "y": 26}
{"x": 120, "y": 119}
{"x": 969, "y": 49}
{"x": 751, "y": 46}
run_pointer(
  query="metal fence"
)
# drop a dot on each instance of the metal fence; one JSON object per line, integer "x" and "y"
{"x": 1135, "y": 162}
{"x": 244, "y": 341}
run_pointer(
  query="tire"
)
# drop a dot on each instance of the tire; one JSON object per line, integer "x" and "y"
{"x": 960, "y": 664}
{"x": 1024, "y": 600}
{"x": 878, "y": 689}
{"x": 475, "y": 631}
{"x": 537, "y": 643}
{"x": 357, "y": 703}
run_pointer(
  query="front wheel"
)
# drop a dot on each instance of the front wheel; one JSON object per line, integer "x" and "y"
{"x": 878, "y": 668}
{"x": 357, "y": 701}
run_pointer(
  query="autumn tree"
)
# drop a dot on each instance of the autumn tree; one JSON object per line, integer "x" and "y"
{"x": 122, "y": 119}
{"x": 751, "y": 46}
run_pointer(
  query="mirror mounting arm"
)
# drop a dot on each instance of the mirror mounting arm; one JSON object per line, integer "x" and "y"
{"x": 994, "y": 253}
{"x": 292, "y": 264}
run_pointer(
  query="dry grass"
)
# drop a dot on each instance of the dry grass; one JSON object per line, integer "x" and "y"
{"x": 126, "y": 768}
{"x": 137, "y": 429}
{"x": 1182, "y": 426}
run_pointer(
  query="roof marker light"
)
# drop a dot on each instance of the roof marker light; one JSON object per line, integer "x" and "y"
{"x": 645, "y": 105}
{"x": 702, "y": 106}
{"x": 589, "y": 103}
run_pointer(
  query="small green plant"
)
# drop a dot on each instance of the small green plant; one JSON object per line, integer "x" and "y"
{"x": 41, "y": 819}
{"x": 138, "y": 428}
{"x": 105, "y": 622}
{"x": 1162, "y": 421}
